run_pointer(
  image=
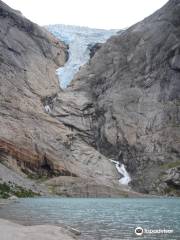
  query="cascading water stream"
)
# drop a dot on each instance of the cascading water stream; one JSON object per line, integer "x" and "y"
{"x": 122, "y": 170}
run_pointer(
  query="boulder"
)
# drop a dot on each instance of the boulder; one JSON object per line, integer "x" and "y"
{"x": 13, "y": 198}
{"x": 173, "y": 177}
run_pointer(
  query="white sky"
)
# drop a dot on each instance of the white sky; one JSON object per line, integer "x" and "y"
{"x": 106, "y": 14}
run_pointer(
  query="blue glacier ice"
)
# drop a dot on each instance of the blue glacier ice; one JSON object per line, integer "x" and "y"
{"x": 78, "y": 40}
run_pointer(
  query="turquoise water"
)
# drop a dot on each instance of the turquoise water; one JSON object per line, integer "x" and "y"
{"x": 101, "y": 219}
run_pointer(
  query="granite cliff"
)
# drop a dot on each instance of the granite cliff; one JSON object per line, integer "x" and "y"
{"x": 128, "y": 96}
{"x": 122, "y": 105}
{"x": 29, "y": 56}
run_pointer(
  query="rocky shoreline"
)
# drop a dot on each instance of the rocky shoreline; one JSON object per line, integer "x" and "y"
{"x": 14, "y": 231}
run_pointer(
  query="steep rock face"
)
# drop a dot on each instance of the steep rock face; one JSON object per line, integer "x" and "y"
{"x": 127, "y": 98}
{"x": 32, "y": 140}
{"x": 29, "y": 56}
{"x": 94, "y": 48}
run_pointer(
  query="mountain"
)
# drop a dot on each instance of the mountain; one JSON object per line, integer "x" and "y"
{"x": 118, "y": 119}
{"x": 125, "y": 101}
{"x": 33, "y": 143}
{"x": 80, "y": 40}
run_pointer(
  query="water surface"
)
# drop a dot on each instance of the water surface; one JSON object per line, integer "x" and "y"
{"x": 101, "y": 219}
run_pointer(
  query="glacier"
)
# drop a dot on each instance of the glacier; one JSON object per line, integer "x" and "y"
{"x": 79, "y": 40}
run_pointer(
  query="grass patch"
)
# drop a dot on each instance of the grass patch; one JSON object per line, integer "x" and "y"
{"x": 8, "y": 189}
{"x": 38, "y": 178}
{"x": 170, "y": 191}
{"x": 169, "y": 165}
{"x": 4, "y": 190}
{"x": 22, "y": 193}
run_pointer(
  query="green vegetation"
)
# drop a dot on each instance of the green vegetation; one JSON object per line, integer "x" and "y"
{"x": 22, "y": 193}
{"x": 171, "y": 191}
{"x": 8, "y": 189}
{"x": 4, "y": 190}
{"x": 169, "y": 165}
{"x": 37, "y": 177}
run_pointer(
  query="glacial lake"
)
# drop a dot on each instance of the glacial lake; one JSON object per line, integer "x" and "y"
{"x": 100, "y": 218}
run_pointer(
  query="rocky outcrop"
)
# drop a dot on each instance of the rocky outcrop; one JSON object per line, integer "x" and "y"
{"x": 29, "y": 56}
{"x": 94, "y": 48}
{"x": 83, "y": 187}
{"x": 171, "y": 181}
{"x": 125, "y": 101}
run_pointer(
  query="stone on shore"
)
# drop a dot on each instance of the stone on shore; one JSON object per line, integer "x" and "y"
{"x": 14, "y": 198}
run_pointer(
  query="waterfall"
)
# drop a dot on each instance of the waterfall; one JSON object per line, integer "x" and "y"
{"x": 47, "y": 108}
{"x": 122, "y": 170}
